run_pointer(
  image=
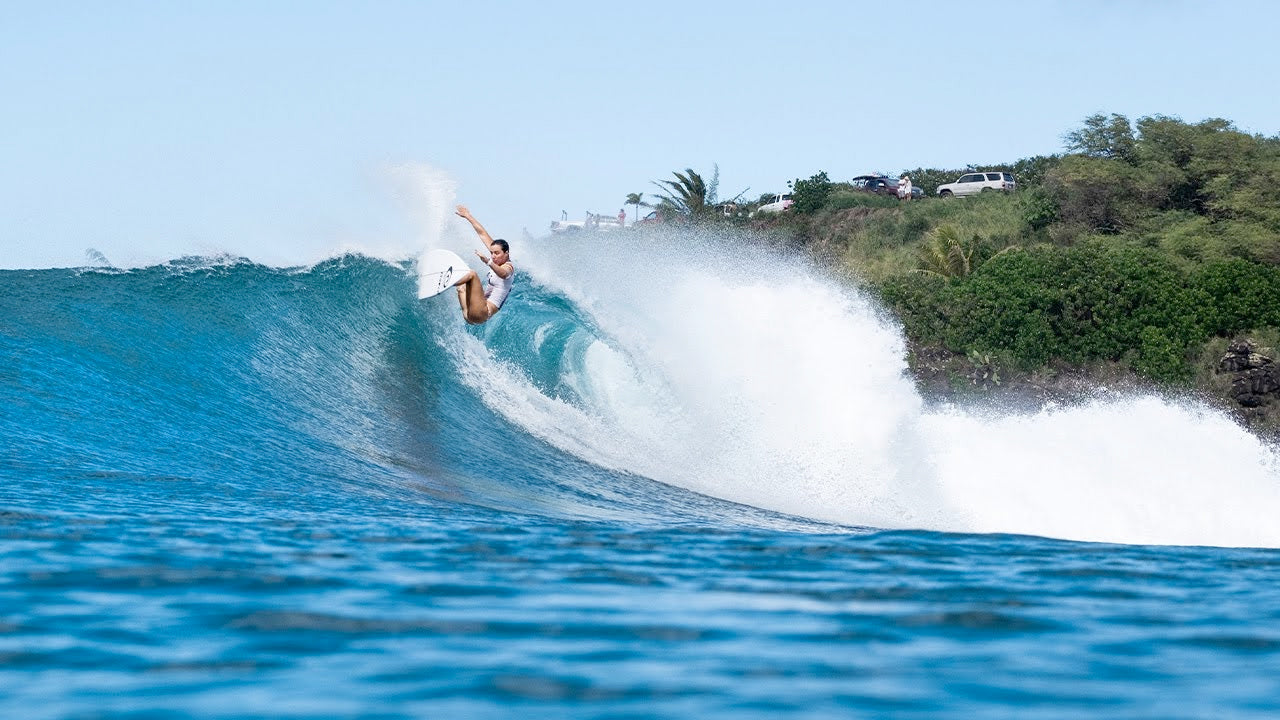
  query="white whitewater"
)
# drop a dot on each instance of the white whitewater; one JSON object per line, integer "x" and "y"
{"x": 755, "y": 378}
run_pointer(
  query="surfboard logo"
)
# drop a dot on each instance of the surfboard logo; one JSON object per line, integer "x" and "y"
{"x": 443, "y": 280}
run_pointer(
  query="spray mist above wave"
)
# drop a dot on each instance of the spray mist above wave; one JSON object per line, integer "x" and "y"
{"x": 728, "y": 369}
{"x": 395, "y": 214}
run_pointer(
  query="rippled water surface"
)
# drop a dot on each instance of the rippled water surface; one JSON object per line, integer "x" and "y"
{"x": 418, "y": 610}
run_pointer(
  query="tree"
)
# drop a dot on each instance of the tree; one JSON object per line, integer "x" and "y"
{"x": 686, "y": 195}
{"x": 1204, "y": 163}
{"x": 1105, "y": 137}
{"x": 636, "y": 199}
{"x": 1097, "y": 194}
{"x": 945, "y": 254}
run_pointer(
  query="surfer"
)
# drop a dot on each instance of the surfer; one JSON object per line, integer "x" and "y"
{"x": 480, "y": 304}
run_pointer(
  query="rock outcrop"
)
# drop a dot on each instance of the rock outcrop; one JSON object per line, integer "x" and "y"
{"x": 1255, "y": 380}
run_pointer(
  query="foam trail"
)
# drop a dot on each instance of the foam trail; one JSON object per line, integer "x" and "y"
{"x": 755, "y": 378}
{"x": 1135, "y": 469}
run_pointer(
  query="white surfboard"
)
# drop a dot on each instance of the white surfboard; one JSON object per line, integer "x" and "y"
{"x": 438, "y": 270}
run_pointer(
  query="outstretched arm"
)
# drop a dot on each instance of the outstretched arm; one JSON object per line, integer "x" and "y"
{"x": 465, "y": 214}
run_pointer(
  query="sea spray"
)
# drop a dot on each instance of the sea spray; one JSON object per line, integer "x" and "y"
{"x": 429, "y": 194}
{"x": 759, "y": 378}
{"x": 1133, "y": 469}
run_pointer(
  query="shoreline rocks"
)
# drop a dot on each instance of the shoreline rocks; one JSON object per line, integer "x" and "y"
{"x": 1245, "y": 382}
{"x": 1255, "y": 378}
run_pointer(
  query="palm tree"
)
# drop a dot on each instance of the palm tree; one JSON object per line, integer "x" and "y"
{"x": 946, "y": 254}
{"x": 686, "y": 195}
{"x": 637, "y": 200}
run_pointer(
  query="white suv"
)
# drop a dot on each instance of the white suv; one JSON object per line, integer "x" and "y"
{"x": 973, "y": 183}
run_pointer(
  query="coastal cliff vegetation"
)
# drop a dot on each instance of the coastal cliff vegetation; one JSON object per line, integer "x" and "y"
{"x": 1146, "y": 252}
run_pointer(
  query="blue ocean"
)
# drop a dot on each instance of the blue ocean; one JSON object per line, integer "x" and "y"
{"x": 675, "y": 477}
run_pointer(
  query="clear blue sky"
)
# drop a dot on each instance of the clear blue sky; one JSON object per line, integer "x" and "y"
{"x": 149, "y": 130}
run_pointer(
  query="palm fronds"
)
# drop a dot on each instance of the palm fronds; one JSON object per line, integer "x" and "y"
{"x": 686, "y": 195}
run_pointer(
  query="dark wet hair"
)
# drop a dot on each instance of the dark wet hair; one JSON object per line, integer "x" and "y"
{"x": 503, "y": 244}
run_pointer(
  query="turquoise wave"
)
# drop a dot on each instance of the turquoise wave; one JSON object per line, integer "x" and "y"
{"x": 298, "y": 385}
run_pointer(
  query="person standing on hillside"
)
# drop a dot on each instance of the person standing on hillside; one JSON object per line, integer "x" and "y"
{"x": 904, "y": 187}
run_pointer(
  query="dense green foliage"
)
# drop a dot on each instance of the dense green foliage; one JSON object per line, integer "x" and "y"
{"x": 1096, "y": 301}
{"x": 1124, "y": 180}
{"x": 810, "y": 195}
{"x": 1138, "y": 247}
{"x": 1144, "y": 244}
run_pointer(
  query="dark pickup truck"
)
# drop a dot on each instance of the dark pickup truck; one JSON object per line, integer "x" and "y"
{"x": 882, "y": 185}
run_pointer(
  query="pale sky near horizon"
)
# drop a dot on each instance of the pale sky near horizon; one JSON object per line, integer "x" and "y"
{"x": 275, "y": 130}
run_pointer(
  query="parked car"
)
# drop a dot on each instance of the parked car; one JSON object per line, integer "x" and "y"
{"x": 875, "y": 184}
{"x": 976, "y": 182}
{"x": 560, "y": 226}
{"x": 592, "y": 222}
{"x": 777, "y": 205}
{"x": 882, "y": 185}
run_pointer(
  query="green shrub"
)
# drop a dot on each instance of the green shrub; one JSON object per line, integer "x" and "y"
{"x": 1105, "y": 195}
{"x": 913, "y": 227}
{"x": 1242, "y": 296}
{"x": 810, "y": 195}
{"x": 1039, "y": 210}
{"x": 917, "y": 301}
{"x": 1080, "y": 304}
{"x": 1161, "y": 358}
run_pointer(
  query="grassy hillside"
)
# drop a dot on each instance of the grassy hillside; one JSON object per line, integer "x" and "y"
{"x": 1142, "y": 251}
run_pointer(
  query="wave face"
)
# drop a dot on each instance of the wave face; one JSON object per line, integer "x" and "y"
{"x": 679, "y": 379}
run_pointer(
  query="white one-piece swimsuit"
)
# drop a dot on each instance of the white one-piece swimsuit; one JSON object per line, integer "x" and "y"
{"x": 497, "y": 287}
